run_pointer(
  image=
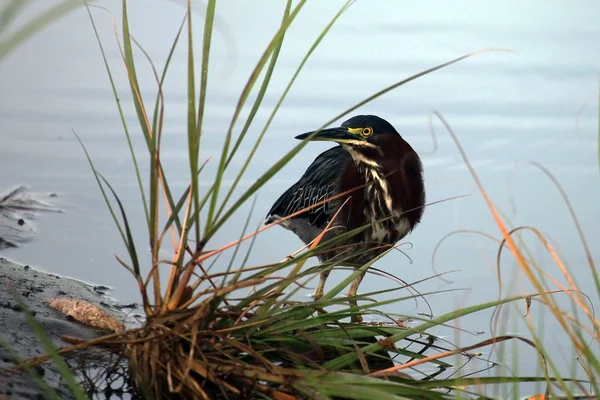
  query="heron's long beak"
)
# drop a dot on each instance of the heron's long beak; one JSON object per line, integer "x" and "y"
{"x": 338, "y": 134}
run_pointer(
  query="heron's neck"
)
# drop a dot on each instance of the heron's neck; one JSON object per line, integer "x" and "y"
{"x": 362, "y": 159}
{"x": 377, "y": 189}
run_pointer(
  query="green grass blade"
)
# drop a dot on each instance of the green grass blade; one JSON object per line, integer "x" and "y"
{"x": 265, "y": 84}
{"x": 241, "y": 101}
{"x": 299, "y": 311}
{"x": 176, "y": 208}
{"x": 206, "y": 42}
{"x": 134, "y": 84}
{"x": 10, "y": 11}
{"x": 193, "y": 142}
{"x": 151, "y": 141}
{"x": 486, "y": 380}
{"x": 210, "y": 229}
{"x": 149, "y": 136}
{"x": 43, "y": 385}
{"x": 159, "y": 101}
{"x": 280, "y": 101}
{"x": 101, "y": 187}
{"x": 355, "y": 386}
{"x": 344, "y": 360}
{"x": 35, "y": 25}
{"x": 130, "y": 243}
{"x": 237, "y": 247}
{"x": 253, "y": 111}
{"x": 157, "y": 123}
{"x": 249, "y": 251}
{"x": 303, "y": 320}
{"x": 122, "y": 117}
{"x": 288, "y": 156}
{"x": 407, "y": 80}
{"x": 126, "y": 235}
{"x": 64, "y": 370}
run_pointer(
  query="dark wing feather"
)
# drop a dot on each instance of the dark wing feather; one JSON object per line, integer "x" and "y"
{"x": 319, "y": 182}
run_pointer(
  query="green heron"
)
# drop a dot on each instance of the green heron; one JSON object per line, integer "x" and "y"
{"x": 389, "y": 194}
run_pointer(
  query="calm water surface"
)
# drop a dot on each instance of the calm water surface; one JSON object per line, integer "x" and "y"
{"x": 538, "y": 104}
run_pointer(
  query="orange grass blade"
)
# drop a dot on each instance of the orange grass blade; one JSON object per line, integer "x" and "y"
{"x": 414, "y": 363}
{"x": 505, "y": 233}
{"x": 174, "y": 275}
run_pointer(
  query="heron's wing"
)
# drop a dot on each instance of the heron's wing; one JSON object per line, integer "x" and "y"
{"x": 319, "y": 182}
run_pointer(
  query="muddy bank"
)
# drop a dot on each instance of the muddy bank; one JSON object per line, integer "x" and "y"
{"x": 33, "y": 288}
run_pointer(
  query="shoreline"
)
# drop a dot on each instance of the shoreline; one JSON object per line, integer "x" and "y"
{"x": 34, "y": 287}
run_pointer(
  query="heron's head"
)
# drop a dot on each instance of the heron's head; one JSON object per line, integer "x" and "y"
{"x": 361, "y": 134}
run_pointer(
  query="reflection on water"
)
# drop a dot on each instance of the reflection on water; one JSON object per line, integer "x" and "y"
{"x": 507, "y": 109}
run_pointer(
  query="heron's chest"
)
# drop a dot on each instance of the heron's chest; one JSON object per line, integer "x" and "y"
{"x": 382, "y": 210}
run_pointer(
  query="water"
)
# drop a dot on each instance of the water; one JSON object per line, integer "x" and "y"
{"x": 507, "y": 109}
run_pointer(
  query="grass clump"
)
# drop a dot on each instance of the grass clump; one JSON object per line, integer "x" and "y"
{"x": 239, "y": 332}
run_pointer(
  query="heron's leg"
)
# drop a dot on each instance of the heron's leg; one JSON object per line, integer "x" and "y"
{"x": 352, "y": 292}
{"x": 321, "y": 286}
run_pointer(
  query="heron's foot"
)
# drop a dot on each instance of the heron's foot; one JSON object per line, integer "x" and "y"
{"x": 318, "y": 293}
{"x": 356, "y": 319}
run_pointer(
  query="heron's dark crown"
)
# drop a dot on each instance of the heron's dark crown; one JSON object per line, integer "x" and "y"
{"x": 379, "y": 125}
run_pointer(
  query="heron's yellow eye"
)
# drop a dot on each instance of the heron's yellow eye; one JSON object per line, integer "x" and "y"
{"x": 368, "y": 131}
